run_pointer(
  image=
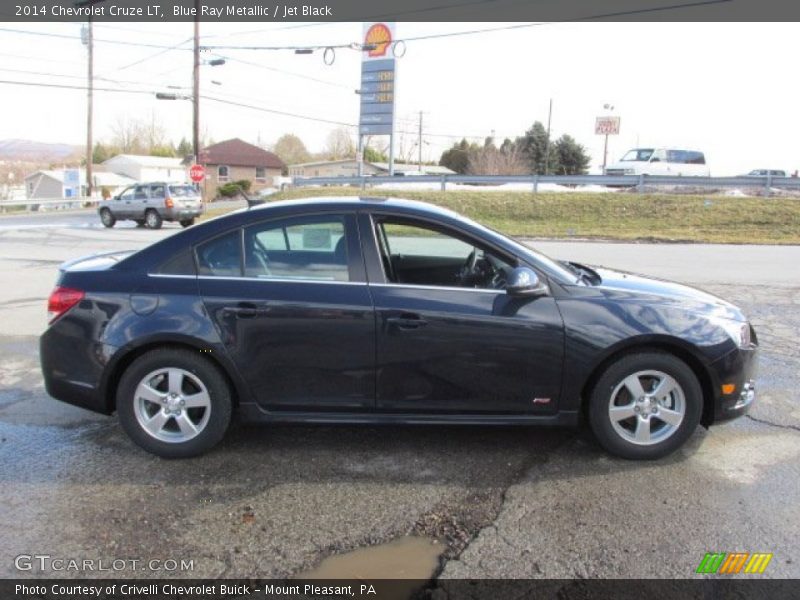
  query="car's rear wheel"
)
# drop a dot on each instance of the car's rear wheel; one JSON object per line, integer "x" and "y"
{"x": 645, "y": 406}
{"x": 174, "y": 403}
{"x": 187, "y": 222}
{"x": 152, "y": 219}
{"x": 106, "y": 218}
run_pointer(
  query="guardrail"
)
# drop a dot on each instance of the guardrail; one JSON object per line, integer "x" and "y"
{"x": 640, "y": 182}
{"x": 28, "y": 203}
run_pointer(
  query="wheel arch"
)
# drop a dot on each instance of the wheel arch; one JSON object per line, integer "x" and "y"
{"x": 674, "y": 346}
{"x": 125, "y": 356}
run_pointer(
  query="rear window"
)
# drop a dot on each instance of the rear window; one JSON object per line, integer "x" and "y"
{"x": 181, "y": 191}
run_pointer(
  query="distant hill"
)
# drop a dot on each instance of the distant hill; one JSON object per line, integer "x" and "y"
{"x": 30, "y": 150}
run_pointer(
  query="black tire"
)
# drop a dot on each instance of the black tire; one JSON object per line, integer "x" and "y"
{"x": 107, "y": 218}
{"x": 187, "y": 222}
{"x": 628, "y": 365}
{"x": 152, "y": 219}
{"x": 189, "y": 361}
{"x": 139, "y": 222}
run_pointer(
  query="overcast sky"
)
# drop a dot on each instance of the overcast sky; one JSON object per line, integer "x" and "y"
{"x": 727, "y": 89}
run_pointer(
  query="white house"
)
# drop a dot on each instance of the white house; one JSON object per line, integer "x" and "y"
{"x": 148, "y": 168}
{"x": 46, "y": 184}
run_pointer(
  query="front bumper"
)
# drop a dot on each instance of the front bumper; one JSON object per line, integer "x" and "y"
{"x": 738, "y": 368}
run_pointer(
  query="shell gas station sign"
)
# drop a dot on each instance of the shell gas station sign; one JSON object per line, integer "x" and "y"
{"x": 378, "y": 70}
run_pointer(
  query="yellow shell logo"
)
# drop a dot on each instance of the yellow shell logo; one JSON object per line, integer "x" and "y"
{"x": 379, "y": 36}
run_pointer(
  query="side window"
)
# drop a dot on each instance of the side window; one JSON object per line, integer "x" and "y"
{"x": 658, "y": 156}
{"x": 676, "y": 156}
{"x": 222, "y": 256}
{"x": 305, "y": 248}
{"x": 127, "y": 194}
{"x": 261, "y": 173}
{"x": 157, "y": 191}
{"x": 416, "y": 253}
{"x": 180, "y": 264}
{"x": 140, "y": 192}
{"x": 223, "y": 173}
{"x": 696, "y": 158}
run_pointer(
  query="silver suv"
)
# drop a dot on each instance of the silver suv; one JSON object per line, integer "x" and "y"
{"x": 150, "y": 204}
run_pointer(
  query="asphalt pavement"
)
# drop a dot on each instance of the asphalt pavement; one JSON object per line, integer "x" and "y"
{"x": 503, "y": 502}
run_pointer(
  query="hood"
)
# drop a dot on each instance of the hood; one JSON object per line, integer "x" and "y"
{"x": 622, "y": 284}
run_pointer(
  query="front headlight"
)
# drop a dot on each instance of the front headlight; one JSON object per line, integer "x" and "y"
{"x": 738, "y": 331}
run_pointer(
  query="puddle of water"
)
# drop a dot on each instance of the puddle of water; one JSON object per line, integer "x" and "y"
{"x": 410, "y": 558}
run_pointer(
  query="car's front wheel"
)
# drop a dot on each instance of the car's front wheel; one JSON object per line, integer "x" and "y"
{"x": 645, "y": 406}
{"x": 107, "y": 218}
{"x": 174, "y": 403}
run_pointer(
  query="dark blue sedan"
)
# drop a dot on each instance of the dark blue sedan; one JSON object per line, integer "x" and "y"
{"x": 386, "y": 311}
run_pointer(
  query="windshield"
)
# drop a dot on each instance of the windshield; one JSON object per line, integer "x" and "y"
{"x": 181, "y": 191}
{"x": 638, "y": 155}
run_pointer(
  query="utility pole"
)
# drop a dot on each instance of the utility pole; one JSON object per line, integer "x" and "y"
{"x": 89, "y": 109}
{"x": 88, "y": 40}
{"x": 547, "y": 141}
{"x": 196, "y": 86}
{"x": 420, "y": 141}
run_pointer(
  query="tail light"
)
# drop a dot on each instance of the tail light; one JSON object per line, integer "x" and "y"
{"x": 61, "y": 300}
{"x": 168, "y": 202}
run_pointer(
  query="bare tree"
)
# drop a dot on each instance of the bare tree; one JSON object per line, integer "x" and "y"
{"x": 291, "y": 149}
{"x": 508, "y": 160}
{"x": 127, "y": 135}
{"x": 340, "y": 144}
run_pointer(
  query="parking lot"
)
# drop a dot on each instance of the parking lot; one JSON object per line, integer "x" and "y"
{"x": 501, "y": 502}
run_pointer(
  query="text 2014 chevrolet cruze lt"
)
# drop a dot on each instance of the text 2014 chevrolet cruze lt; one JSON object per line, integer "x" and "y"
{"x": 386, "y": 311}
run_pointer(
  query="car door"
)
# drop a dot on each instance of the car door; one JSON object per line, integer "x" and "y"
{"x": 156, "y": 198}
{"x": 449, "y": 342}
{"x": 290, "y": 301}
{"x": 121, "y": 205}
{"x": 137, "y": 205}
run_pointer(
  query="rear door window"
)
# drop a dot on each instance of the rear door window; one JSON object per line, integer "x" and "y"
{"x": 221, "y": 256}
{"x": 308, "y": 248}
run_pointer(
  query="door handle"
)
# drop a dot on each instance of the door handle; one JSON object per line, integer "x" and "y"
{"x": 246, "y": 310}
{"x": 407, "y": 321}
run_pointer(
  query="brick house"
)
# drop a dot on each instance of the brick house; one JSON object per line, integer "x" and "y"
{"x": 235, "y": 160}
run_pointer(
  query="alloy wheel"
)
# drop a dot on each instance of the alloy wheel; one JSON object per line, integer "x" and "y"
{"x": 647, "y": 407}
{"x": 172, "y": 405}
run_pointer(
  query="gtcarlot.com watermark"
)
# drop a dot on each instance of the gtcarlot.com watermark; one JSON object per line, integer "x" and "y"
{"x": 46, "y": 563}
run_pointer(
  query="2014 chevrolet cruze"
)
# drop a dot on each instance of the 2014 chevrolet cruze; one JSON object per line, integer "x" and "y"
{"x": 386, "y": 311}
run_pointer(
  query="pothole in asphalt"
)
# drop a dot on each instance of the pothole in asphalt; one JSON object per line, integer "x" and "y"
{"x": 411, "y": 557}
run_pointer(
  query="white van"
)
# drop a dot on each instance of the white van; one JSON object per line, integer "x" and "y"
{"x": 660, "y": 161}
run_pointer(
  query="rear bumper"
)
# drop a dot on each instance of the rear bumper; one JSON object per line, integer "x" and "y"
{"x": 738, "y": 368}
{"x": 73, "y": 365}
{"x": 179, "y": 214}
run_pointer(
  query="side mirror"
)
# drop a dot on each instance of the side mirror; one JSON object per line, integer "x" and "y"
{"x": 524, "y": 282}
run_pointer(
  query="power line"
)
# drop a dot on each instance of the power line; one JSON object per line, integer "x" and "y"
{"x": 154, "y": 55}
{"x": 292, "y": 73}
{"x": 278, "y": 112}
{"x": 357, "y": 46}
{"x": 74, "y": 87}
{"x": 73, "y": 37}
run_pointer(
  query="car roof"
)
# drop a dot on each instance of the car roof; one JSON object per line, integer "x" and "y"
{"x": 351, "y": 202}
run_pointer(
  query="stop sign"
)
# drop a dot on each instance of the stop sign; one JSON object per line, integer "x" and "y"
{"x": 197, "y": 173}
